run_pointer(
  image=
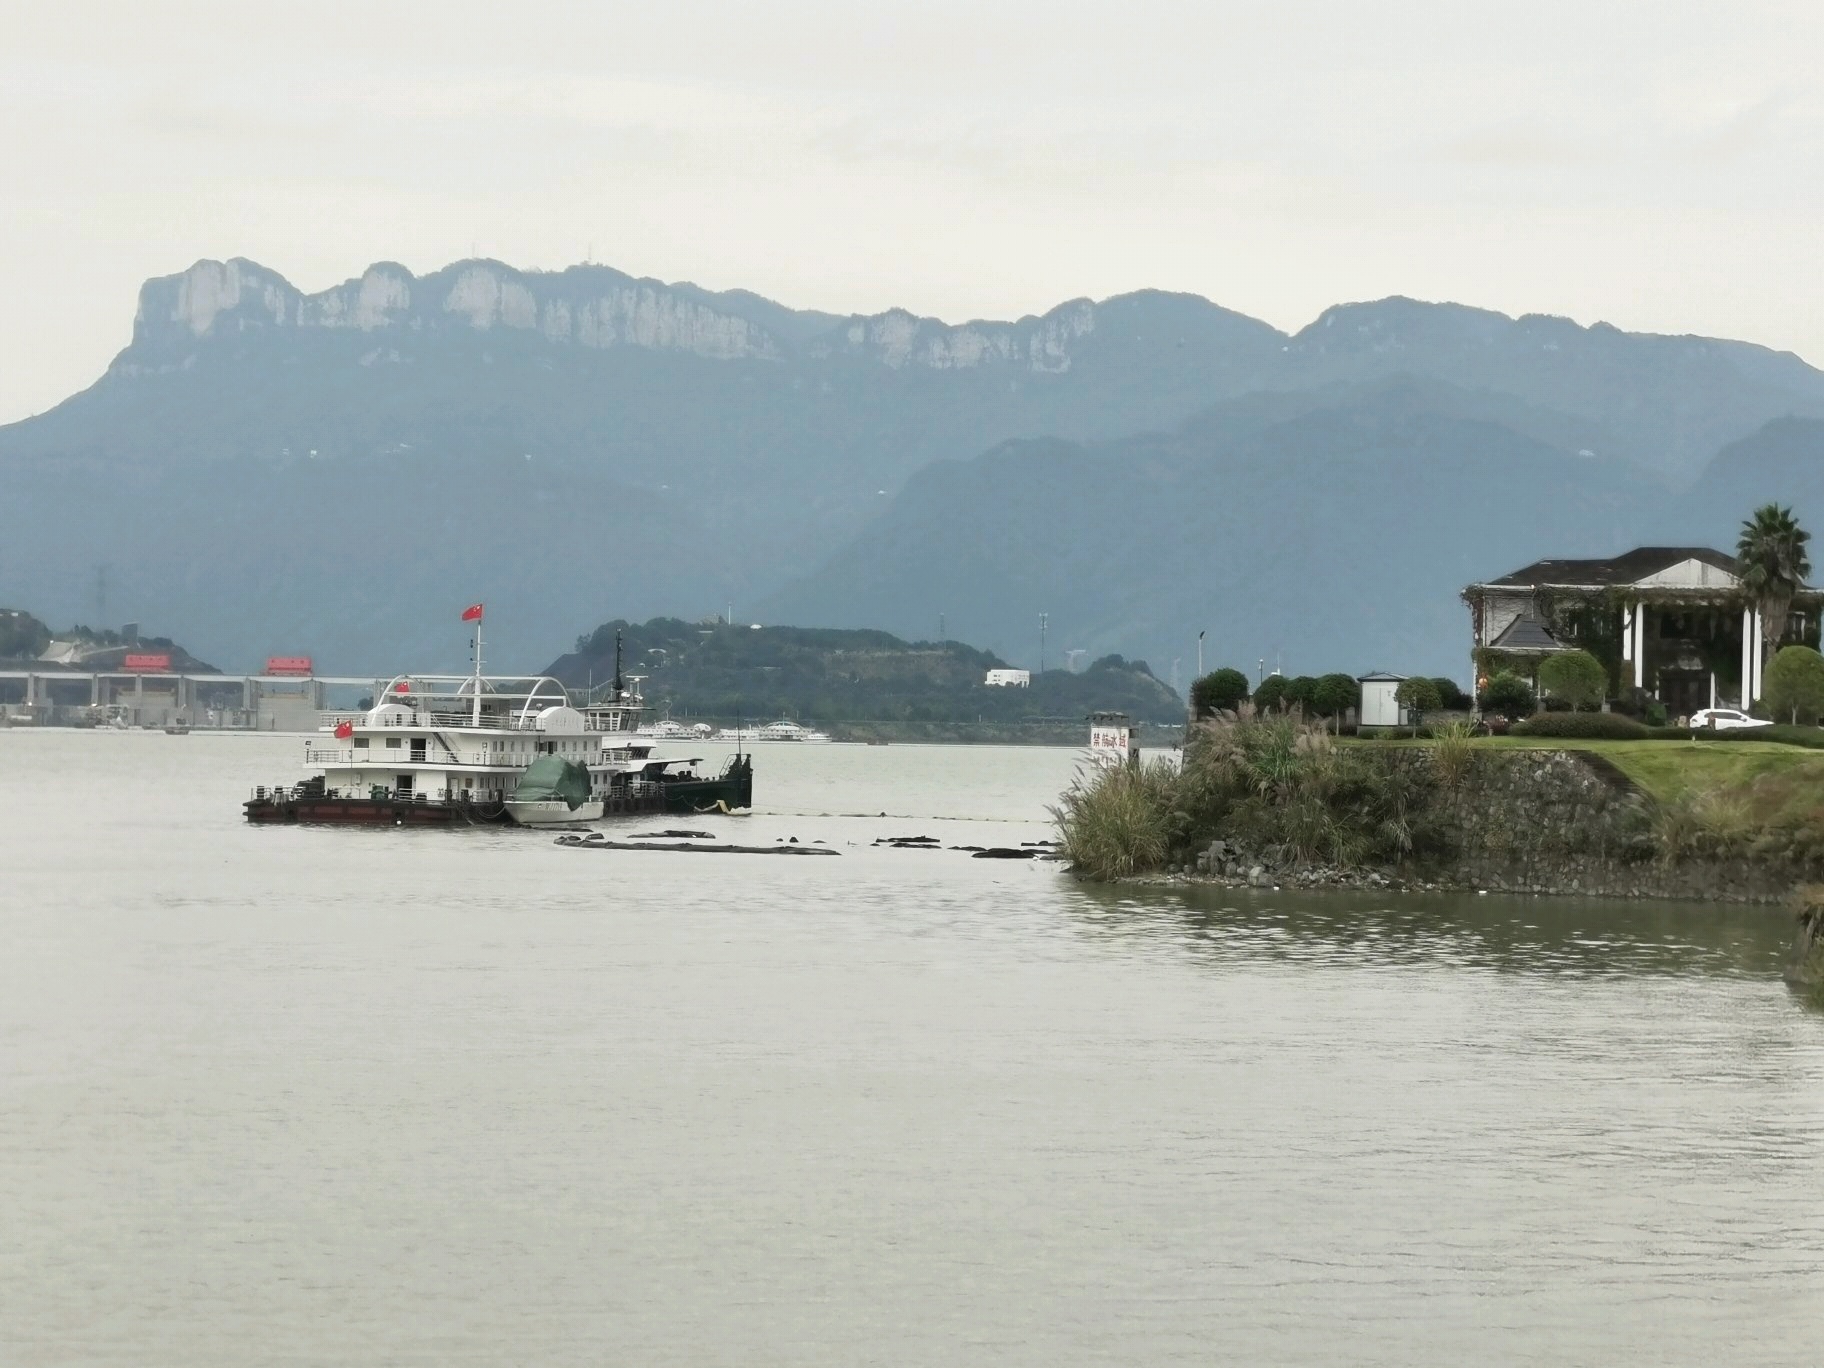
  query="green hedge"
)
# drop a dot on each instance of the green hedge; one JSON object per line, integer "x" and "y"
{"x": 1616, "y": 727}
{"x": 1812, "y": 738}
{"x": 1580, "y": 725}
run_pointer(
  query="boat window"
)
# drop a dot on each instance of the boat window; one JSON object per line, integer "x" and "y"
{"x": 393, "y": 742}
{"x": 360, "y": 743}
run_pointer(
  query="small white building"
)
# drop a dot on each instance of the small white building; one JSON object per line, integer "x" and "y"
{"x": 1380, "y": 708}
{"x": 1008, "y": 679}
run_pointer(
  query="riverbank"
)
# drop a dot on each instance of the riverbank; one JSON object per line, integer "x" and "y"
{"x": 1072, "y": 732}
{"x": 1272, "y": 803}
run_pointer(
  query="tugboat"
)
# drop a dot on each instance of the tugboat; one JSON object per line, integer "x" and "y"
{"x": 455, "y": 749}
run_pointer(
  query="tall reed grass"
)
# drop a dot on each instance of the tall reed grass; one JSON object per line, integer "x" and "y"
{"x": 1116, "y": 821}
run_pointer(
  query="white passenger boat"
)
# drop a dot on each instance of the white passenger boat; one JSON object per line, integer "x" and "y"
{"x": 457, "y": 748}
{"x": 782, "y": 730}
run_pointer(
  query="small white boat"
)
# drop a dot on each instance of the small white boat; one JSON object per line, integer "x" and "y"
{"x": 554, "y": 812}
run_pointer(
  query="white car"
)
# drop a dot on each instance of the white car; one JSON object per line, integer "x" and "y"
{"x": 1725, "y": 719}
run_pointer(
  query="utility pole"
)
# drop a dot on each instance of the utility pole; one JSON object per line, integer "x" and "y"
{"x": 1261, "y": 678}
{"x": 1043, "y": 618}
{"x": 942, "y": 635}
{"x": 1200, "y": 654}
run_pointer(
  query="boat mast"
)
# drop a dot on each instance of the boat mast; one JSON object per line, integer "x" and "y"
{"x": 619, "y": 685}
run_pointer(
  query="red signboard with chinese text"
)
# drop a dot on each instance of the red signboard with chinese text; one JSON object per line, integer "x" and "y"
{"x": 288, "y": 665}
{"x": 147, "y": 663}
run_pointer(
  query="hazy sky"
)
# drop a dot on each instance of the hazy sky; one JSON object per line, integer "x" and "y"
{"x": 1659, "y": 165}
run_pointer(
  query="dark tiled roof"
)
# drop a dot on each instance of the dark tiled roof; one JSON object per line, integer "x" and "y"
{"x": 1527, "y": 633}
{"x": 1625, "y": 569}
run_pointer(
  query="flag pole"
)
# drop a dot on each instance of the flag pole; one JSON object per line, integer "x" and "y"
{"x": 476, "y": 714}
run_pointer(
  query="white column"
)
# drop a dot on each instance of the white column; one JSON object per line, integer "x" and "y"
{"x": 1627, "y": 634}
{"x": 1755, "y": 648}
{"x": 1640, "y": 645}
{"x": 1713, "y": 688}
{"x": 1747, "y": 657}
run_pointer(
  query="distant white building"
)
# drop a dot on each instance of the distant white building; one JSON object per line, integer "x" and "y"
{"x": 1008, "y": 679}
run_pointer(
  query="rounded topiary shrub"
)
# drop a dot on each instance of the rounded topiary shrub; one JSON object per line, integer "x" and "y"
{"x": 1507, "y": 694}
{"x": 1575, "y": 678}
{"x": 1794, "y": 690}
{"x": 1451, "y": 697}
{"x": 1275, "y": 692}
{"x": 1219, "y": 691}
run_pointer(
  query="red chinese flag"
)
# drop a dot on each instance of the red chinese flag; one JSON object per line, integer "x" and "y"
{"x": 402, "y": 687}
{"x": 344, "y": 730}
{"x": 472, "y": 613}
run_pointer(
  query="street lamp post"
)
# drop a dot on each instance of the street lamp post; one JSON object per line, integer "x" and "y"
{"x": 1200, "y": 654}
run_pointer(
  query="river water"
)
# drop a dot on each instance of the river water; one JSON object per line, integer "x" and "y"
{"x": 301, "y": 1096}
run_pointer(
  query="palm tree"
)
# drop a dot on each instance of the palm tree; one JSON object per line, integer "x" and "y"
{"x": 1774, "y": 565}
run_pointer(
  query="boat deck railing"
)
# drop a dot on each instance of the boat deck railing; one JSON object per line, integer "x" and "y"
{"x": 464, "y": 719}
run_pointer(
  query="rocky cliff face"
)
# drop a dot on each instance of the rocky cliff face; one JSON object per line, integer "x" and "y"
{"x": 897, "y": 338}
{"x": 585, "y": 306}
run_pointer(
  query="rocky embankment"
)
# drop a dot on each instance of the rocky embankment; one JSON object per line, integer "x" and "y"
{"x": 1543, "y": 822}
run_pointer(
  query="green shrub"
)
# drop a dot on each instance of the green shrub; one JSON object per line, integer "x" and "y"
{"x": 1332, "y": 695}
{"x": 1451, "y": 697}
{"x": 1274, "y": 693}
{"x": 1656, "y": 714}
{"x": 1508, "y": 695}
{"x": 1708, "y": 824}
{"x": 1419, "y": 694}
{"x": 1794, "y": 689}
{"x": 1630, "y": 702}
{"x": 1219, "y": 691}
{"x": 1581, "y": 726}
{"x": 1812, "y": 738}
{"x": 1576, "y": 677}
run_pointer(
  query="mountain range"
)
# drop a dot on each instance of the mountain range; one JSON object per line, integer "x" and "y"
{"x": 264, "y": 470}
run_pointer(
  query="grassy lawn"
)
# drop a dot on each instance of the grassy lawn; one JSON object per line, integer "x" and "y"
{"x": 1777, "y": 781}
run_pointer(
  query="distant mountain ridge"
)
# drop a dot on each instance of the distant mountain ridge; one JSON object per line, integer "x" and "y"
{"x": 1330, "y": 529}
{"x": 1665, "y": 402}
{"x": 271, "y": 471}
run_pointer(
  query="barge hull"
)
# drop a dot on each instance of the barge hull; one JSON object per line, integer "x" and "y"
{"x": 734, "y": 788}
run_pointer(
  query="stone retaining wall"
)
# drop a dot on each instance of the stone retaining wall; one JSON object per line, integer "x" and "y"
{"x": 1562, "y": 822}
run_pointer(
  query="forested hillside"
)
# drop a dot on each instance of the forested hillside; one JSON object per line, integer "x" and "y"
{"x": 712, "y": 670}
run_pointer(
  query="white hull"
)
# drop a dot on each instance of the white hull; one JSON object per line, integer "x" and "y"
{"x": 553, "y": 812}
